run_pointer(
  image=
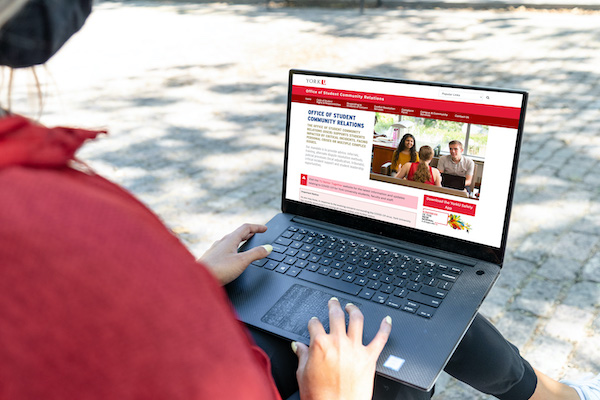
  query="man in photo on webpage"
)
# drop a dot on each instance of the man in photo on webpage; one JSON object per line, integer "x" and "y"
{"x": 456, "y": 164}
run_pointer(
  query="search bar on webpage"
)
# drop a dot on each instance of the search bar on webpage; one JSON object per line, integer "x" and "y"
{"x": 464, "y": 95}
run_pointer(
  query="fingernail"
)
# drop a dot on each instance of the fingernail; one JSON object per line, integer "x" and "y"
{"x": 294, "y": 347}
{"x": 314, "y": 318}
{"x": 334, "y": 298}
{"x": 388, "y": 319}
{"x": 268, "y": 248}
{"x": 349, "y": 304}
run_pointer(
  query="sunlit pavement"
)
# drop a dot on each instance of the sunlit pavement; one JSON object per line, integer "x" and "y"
{"x": 193, "y": 96}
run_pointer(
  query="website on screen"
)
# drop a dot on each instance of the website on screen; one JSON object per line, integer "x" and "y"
{"x": 354, "y": 143}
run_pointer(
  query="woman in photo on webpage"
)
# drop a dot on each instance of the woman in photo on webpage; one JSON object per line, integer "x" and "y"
{"x": 421, "y": 171}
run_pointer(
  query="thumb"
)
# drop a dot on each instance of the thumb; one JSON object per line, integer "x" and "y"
{"x": 301, "y": 350}
{"x": 256, "y": 253}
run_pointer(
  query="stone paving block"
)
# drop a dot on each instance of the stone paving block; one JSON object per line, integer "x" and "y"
{"x": 592, "y": 182}
{"x": 559, "y": 269}
{"x": 587, "y": 354}
{"x": 577, "y": 245}
{"x": 537, "y": 246}
{"x": 569, "y": 169}
{"x": 549, "y": 355}
{"x": 456, "y": 390}
{"x": 583, "y": 295}
{"x": 537, "y": 297}
{"x": 517, "y": 327}
{"x": 494, "y": 304}
{"x": 569, "y": 323}
{"x": 514, "y": 274}
{"x": 596, "y": 326}
{"x": 591, "y": 269}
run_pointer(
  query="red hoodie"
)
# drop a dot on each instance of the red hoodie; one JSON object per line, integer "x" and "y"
{"x": 98, "y": 300}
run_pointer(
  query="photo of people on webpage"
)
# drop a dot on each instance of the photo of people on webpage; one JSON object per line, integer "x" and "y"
{"x": 429, "y": 154}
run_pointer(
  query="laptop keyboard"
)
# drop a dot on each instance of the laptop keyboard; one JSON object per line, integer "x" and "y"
{"x": 412, "y": 284}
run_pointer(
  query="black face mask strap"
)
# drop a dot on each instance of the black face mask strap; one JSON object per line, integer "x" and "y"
{"x": 39, "y": 30}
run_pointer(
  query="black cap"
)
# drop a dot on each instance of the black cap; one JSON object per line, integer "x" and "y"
{"x": 39, "y": 30}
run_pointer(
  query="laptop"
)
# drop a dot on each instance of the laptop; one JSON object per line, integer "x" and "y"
{"x": 426, "y": 258}
{"x": 453, "y": 181}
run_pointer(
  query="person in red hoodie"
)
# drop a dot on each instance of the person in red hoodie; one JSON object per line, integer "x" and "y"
{"x": 101, "y": 301}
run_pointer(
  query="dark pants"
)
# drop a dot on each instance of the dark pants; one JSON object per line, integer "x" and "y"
{"x": 484, "y": 360}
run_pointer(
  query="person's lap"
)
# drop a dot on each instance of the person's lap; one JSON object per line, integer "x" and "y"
{"x": 483, "y": 360}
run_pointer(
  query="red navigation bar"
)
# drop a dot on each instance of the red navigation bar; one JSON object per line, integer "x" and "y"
{"x": 472, "y": 113}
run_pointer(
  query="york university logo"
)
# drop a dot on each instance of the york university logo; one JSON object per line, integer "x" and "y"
{"x": 316, "y": 81}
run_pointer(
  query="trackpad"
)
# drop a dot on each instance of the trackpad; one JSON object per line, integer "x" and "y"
{"x": 297, "y": 306}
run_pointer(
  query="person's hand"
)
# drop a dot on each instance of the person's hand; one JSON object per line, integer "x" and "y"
{"x": 223, "y": 259}
{"x": 337, "y": 365}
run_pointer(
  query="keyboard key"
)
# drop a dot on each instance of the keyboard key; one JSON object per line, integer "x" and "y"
{"x": 293, "y": 271}
{"x": 277, "y": 248}
{"x": 430, "y": 281}
{"x": 409, "y": 309}
{"x": 282, "y": 268}
{"x": 261, "y": 262}
{"x": 392, "y": 303}
{"x": 431, "y": 291}
{"x": 276, "y": 256}
{"x": 387, "y": 289}
{"x": 336, "y": 274}
{"x": 445, "y": 285}
{"x": 374, "y": 275}
{"x": 326, "y": 281}
{"x": 349, "y": 268}
{"x": 424, "y": 299}
{"x": 425, "y": 312}
{"x": 447, "y": 277}
{"x": 307, "y": 247}
{"x": 366, "y": 293}
{"x": 313, "y": 267}
{"x": 361, "y": 281}
{"x": 271, "y": 265}
{"x": 412, "y": 304}
{"x": 374, "y": 285}
{"x": 380, "y": 298}
{"x": 400, "y": 282}
{"x": 324, "y": 270}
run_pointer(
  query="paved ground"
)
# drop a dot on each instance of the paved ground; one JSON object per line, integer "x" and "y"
{"x": 194, "y": 98}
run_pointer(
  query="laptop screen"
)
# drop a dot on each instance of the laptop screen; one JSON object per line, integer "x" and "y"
{"x": 350, "y": 159}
